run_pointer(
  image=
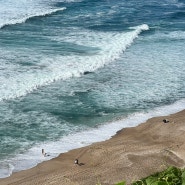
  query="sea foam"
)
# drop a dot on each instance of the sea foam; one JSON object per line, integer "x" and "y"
{"x": 110, "y": 47}
{"x": 84, "y": 138}
{"x": 21, "y": 10}
{"x": 24, "y": 18}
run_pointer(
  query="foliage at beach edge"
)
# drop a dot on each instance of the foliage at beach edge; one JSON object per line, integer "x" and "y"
{"x": 170, "y": 176}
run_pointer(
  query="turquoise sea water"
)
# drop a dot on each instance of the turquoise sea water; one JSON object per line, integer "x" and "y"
{"x": 73, "y": 72}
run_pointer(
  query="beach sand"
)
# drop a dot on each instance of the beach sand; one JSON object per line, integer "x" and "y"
{"x": 131, "y": 154}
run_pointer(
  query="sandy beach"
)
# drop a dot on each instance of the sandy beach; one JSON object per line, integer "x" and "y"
{"x": 131, "y": 154}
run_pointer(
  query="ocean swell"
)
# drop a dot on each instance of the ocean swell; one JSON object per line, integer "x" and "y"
{"x": 111, "y": 46}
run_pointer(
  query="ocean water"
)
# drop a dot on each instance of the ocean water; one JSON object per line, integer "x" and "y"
{"x": 73, "y": 72}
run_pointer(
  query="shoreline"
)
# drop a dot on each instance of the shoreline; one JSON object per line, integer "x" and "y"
{"x": 85, "y": 138}
{"x": 131, "y": 154}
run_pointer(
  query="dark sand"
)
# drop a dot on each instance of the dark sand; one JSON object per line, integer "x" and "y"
{"x": 131, "y": 154}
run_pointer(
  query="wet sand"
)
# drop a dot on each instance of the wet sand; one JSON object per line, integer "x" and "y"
{"x": 131, "y": 154}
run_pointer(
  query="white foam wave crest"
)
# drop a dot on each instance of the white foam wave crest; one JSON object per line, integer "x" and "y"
{"x": 111, "y": 46}
{"x": 19, "y": 11}
{"x": 80, "y": 139}
{"x": 24, "y": 18}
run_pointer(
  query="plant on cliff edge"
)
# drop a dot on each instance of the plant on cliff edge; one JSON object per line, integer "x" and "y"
{"x": 170, "y": 176}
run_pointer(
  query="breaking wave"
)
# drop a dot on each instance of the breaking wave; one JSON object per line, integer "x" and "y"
{"x": 110, "y": 47}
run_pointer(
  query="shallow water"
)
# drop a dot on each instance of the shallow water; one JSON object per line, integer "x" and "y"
{"x": 75, "y": 72}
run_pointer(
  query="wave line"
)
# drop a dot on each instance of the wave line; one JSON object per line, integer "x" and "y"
{"x": 24, "y": 19}
{"x": 111, "y": 45}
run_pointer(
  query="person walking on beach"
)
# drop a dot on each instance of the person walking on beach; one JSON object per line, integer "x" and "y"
{"x": 76, "y": 161}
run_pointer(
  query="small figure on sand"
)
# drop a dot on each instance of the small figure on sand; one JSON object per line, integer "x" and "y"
{"x": 76, "y": 161}
{"x": 165, "y": 121}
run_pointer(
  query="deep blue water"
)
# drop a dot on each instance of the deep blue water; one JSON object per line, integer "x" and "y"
{"x": 75, "y": 72}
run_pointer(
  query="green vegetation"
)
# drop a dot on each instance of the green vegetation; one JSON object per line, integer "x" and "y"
{"x": 170, "y": 176}
{"x": 121, "y": 183}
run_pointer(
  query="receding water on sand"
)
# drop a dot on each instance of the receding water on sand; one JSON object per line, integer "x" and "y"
{"x": 75, "y": 72}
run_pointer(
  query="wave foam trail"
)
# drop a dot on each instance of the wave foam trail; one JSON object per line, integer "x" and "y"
{"x": 33, "y": 156}
{"x": 109, "y": 46}
{"x": 27, "y": 17}
{"x": 122, "y": 41}
{"x": 22, "y": 10}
